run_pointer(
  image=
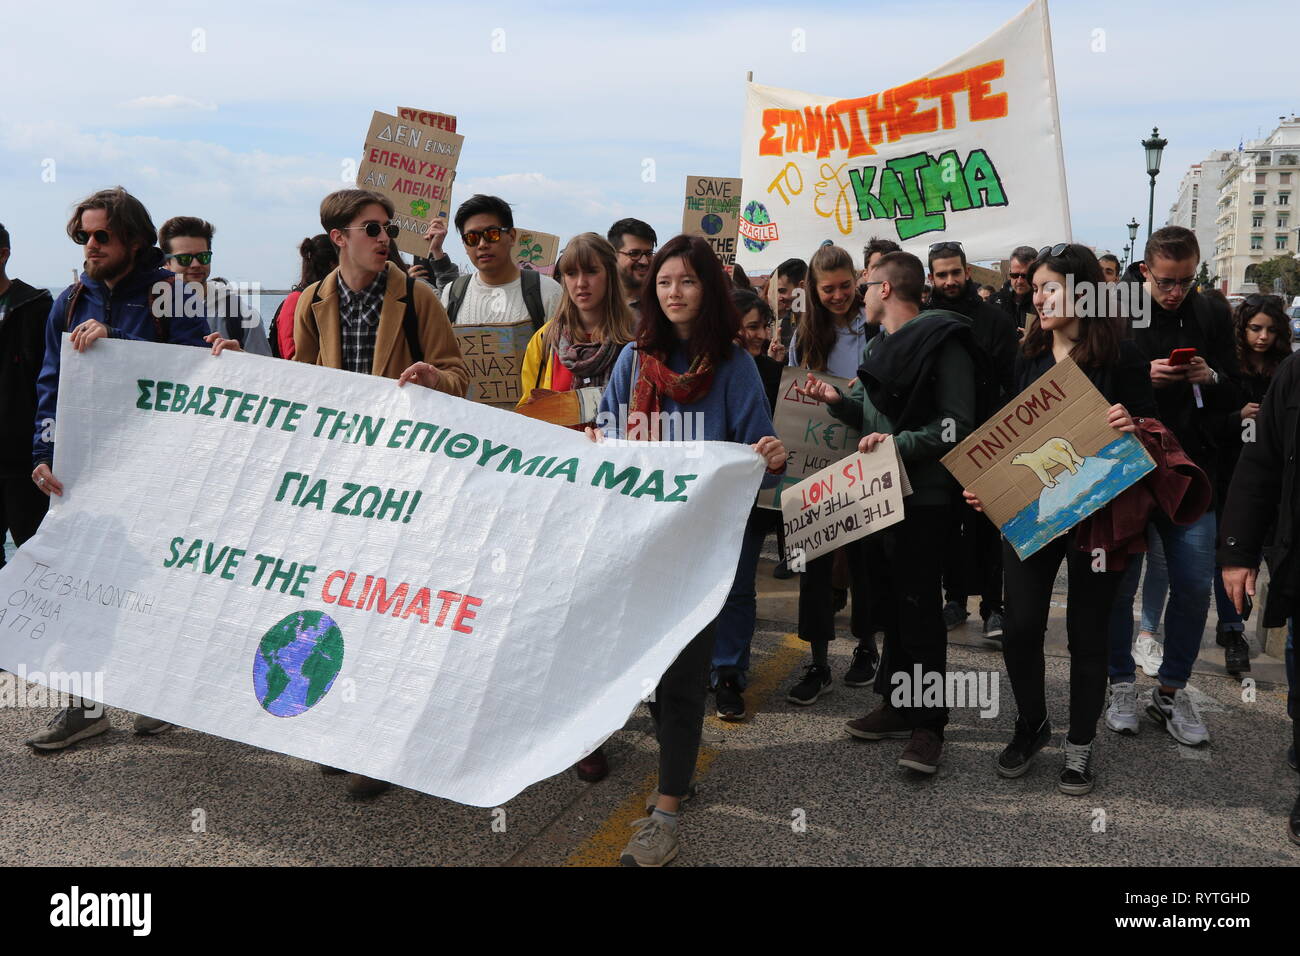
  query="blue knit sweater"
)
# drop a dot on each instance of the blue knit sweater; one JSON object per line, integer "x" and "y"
{"x": 734, "y": 409}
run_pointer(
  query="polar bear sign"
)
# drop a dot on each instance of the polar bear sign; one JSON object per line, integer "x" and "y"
{"x": 1047, "y": 460}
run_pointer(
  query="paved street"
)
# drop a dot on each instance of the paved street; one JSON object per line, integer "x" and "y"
{"x": 785, "y": 787}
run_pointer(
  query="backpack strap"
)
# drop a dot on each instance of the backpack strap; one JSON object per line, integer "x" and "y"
{"x": 530, "y": 284}
{"x": 411, "y": 323}
{"x": 273, "y": 331}
{"x": 73, "y": 296}
{"x": 456, "y": 297}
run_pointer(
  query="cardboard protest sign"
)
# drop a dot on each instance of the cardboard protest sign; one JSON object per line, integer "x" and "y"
{"x": 1048, "y": 459}
{"x": 387, "y": 580}
{"x": 713, "y": 211}
{"x": 535, "y": 250}
{"x": 414, "y": 166}
{"x": 494, "y": 355}
{"x": 857, "y": 496}
{"x": 813, "y": 438}
{"x": 969, "y": 151}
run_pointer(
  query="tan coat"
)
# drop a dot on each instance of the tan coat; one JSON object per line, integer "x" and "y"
{"x": 318, "y": 340}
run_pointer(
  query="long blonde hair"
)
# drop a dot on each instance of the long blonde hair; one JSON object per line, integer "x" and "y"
{"x": 585, "y": 251}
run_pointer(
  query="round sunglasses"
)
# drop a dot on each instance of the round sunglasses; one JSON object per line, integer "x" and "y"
{"x": 372, "y": 229}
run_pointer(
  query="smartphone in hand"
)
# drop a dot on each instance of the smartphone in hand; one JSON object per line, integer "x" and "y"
{"x": 1181, "y": 356}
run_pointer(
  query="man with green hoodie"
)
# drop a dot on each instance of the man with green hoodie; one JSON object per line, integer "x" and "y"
{"x": 917, "y": 383}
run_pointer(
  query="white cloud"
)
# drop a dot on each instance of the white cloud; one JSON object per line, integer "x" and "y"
{"x": 171, "y": 101}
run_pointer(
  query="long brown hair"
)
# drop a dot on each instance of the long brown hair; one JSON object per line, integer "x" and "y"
{"x": 1253, "y": 306}
{"x": 815, "y": 333}
{"x": 1099, "y": 335}
{"x": 591, "y": 251}
{"x": 714, "y": 331}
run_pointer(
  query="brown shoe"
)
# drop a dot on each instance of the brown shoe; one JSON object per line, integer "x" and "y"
{"x": 361, "y": 786}
{"x": 882, "y": 722}
{"x": 922, "y": 751}
{"x": 593, "y": 767}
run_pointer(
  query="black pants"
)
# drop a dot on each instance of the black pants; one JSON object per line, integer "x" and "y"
{"x": 22, "y": 506}
{"x": 907, "y": 573}
{"x": 678, "y": 712}
{"x": 973, "y": 562}
{"x": 1087, "y": 627}
{"x": 817, "y": 602}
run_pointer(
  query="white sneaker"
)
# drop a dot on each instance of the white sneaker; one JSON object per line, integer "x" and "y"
{"x": 1122, "y": 713}
{"x": 1180, "y": 718}
{"x": 1148, "y": 654}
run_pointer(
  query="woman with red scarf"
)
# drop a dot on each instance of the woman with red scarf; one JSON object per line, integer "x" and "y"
{"x": 685, "y": 369}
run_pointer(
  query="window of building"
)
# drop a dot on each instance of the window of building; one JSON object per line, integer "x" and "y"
{"x": 1196, "y": 189}
{"x": 1284, "y": 178}
{"x": 1257, "y": 242}
{"x": 1259, "y": 199}
{"x": 1193, "y": 220}
{"x": 1284, "y": 199}
{"x": 1261, "y": 179}
{"x": 1280, "y": 242}
{"x": 1257, "y": 221}
{"x": 1283, "y": 220}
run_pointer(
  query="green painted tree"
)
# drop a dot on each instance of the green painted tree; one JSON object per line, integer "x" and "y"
{"x": 1203, "y": 277}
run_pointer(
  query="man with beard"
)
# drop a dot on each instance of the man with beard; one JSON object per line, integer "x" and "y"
{"x": 635, "y": 242}
{"x": 114, "y": 298}
{"x": 974, "y": 558}
{"x": 1015, "y": 298}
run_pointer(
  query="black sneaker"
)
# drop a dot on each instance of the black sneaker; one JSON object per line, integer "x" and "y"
{"x": 730, "y": 704}
{"x": 782, "y": 571}
{"x": 954, "y": 615}
{"x": 816, "y": 681}
{"x": 1236, "y": 652}
{"x": 863, "y": 669}
{"x": 993, "y": 628}
{"x": 1014, "y": 761}
{"x": 1077, "y": 777}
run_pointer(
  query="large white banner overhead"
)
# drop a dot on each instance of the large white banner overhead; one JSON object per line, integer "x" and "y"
{"x": 971, "y": 152}
{"x": 392, "y": 581}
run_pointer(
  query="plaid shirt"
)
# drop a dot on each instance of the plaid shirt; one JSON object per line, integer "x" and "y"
{"x": 359, "y": 322}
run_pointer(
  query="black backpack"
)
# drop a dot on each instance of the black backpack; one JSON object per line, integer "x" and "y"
{"x": 530, "y": 284}
{"x": 410, "y": 320}
{"x": 272, "y": 332}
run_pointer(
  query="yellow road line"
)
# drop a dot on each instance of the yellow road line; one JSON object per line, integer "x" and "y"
{"x": 603, "y": 847}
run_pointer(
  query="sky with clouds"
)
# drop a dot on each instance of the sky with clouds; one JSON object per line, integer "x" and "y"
{"x": 254, "y": 128}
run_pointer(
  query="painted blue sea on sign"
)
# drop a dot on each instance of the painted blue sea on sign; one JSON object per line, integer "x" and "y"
{"x": 1073, "y": 497}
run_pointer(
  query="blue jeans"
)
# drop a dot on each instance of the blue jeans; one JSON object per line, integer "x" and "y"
{"x": 1189, "y": 558}
{"x": 736, "y": 620}
{"x": 1155, "y": 586}
{"x": 1229, "y": 619}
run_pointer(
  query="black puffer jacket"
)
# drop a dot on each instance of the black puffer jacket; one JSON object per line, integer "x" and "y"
{"x": 1017, "y": 307}
{"x": 22, "y": 350}
{"x": 1259, "y": 517}
{"x": 993, "y": 332}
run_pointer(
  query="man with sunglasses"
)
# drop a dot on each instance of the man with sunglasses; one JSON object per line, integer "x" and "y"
{"x": 114, "y": 298}
{"x": 1015, "y": 298}
{"x": 186, "y": 242}
{"x": 974, "y": 557}
{"x": 1194, "y": 397}
{"x": 635, "y": 243}
{"x": 498, "y": 293}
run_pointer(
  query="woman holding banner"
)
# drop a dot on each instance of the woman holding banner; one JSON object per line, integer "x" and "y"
{"x": 1121, "y": 374}
{"x": 829, "y": 338}
{"x": 685, "y": 366}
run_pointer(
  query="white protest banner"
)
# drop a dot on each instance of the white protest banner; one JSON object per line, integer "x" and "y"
{"x": 712, "y": 211}
{"x": 387, "y": 580}
{"x": 813, "y": 438}
{"x": 494, "y": 357}
{"x": 855, "y": 497}
{"x": 414, "y": 166}
{"x": 971, "y": 151}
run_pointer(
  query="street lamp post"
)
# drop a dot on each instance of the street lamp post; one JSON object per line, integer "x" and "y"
{"x": 1154, "y": 147}
{"x": 1133, "y": 234}
{"x": 1127, "y": 252}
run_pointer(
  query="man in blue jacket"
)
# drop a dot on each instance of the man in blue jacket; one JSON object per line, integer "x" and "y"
{"x": 115, "y": 298}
